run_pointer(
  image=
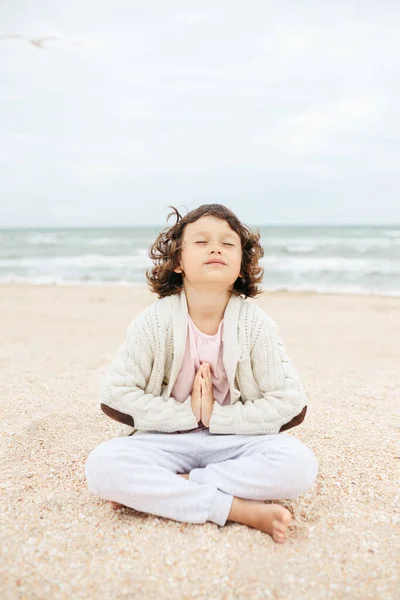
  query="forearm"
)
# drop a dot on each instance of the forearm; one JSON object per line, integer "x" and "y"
{"x": 255, "y": 417}
{"x": 147, "y": 412}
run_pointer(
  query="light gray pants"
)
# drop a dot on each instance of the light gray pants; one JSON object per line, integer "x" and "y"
{"x": 140, "y": 471}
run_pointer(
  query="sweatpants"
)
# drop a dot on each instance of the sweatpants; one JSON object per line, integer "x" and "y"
{"x": 140, "y": 471}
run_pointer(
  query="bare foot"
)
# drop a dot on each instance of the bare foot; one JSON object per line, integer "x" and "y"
{"x": 273, "y": 519}
{"x": 270, "y": 518}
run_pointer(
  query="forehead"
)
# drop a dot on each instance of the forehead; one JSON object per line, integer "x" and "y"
{"x": 209, "y": 224}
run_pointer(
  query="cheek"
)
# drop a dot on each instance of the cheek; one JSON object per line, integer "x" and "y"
{"x": 190, "y": 258}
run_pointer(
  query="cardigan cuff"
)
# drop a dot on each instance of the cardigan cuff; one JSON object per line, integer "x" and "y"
{"x": 181, "y": 417}
{"x": 222, "y": 419}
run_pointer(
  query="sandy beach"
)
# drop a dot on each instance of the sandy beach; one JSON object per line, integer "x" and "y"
{"x": 60, "y": 541}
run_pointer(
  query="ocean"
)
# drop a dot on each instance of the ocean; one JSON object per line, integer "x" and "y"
{"x": 344, "y": 259}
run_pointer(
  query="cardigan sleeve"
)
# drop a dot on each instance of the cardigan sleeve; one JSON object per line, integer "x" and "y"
{"x": 123, "y": 394}
{"x": 283, "y": 395}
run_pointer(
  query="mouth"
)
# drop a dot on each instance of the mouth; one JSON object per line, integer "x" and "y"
{"x": 216, "y": 262}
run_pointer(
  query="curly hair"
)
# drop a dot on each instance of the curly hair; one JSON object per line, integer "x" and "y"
{"x": 165, "y": 252}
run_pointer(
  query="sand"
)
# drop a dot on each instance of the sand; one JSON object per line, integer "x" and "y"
{"x": 60, "y": 541}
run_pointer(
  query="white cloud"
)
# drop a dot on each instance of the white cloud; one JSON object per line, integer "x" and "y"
{"x": 320, "y": 127}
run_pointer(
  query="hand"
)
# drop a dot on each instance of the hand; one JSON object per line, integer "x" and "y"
{"x": 196, "y": 395}
{"x": 207, "y": 395}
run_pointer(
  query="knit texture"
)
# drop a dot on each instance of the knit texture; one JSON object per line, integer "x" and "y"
{"x": 265, "y": 388}
{"x": 200, "y": 348}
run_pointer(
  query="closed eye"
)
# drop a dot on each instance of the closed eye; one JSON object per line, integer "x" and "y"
{"x": 226, "y": 243}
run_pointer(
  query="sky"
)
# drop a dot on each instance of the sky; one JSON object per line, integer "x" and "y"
{"x": 286, "y": 112}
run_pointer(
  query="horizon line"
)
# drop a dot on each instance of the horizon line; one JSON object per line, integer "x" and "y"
{"x": 156, "y": 226}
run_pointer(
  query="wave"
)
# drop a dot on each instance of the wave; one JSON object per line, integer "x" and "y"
{"x": 304, "y": 288}
{"x": 333, "y": 264}
{"x": 274, "y": 263}
{"x": 79, "y": 260}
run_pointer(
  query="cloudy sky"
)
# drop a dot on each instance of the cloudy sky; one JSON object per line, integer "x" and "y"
{"x": 287, "y": 112}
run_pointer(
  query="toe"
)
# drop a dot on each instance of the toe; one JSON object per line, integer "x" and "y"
{"x": 286, "y": 518}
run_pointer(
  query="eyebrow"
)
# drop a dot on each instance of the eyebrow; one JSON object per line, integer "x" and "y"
{"x": 228, "y": 234}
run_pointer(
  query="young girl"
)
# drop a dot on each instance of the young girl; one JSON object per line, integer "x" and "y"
{"x": 204, "y": 383}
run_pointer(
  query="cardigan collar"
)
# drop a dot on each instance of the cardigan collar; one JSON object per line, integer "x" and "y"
{"x": 231, "y": 349}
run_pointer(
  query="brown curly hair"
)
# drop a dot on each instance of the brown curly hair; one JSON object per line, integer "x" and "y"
{"x": 165, "y": 253}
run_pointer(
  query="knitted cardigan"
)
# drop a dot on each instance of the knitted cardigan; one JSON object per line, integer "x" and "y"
{"x": 267, "y": 395}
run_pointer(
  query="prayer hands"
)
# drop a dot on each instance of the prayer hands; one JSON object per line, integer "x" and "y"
{"x": 196, "y": 395}
{"x": 207, "y": 395}
{"x": 202, "y": 395}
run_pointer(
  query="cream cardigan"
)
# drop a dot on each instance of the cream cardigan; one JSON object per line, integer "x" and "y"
{"x": 267, "y": 395}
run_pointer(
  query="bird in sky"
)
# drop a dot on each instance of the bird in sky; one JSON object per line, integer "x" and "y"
{"x": 38, "y": 42}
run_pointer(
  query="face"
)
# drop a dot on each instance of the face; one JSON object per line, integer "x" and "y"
{"x": 205, "y": 240}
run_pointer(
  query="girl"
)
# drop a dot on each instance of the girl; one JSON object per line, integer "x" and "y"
{"x": 204, "y": 383}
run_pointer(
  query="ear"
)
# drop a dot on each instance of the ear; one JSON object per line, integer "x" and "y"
{"x": 178, "y": 270}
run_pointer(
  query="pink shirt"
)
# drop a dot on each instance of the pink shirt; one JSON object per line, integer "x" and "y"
{"x": 201, "y": 347}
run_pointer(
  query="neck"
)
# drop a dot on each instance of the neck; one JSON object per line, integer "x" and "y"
{"x": 206, "y": 305}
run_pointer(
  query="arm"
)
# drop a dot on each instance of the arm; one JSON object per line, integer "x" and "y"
{"x": 283, "y": 401}
{"x": 122, "y": 393}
